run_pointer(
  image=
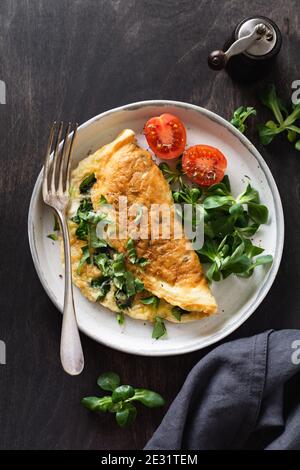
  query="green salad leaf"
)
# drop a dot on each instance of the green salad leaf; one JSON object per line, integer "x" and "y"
{"x": 285, "y": 118}
{"x": 227, "y": 247}
{"x": 228, "y": 225}
{"x": 229, "y": 222}
{"x": 126, "y": 415}
{"x": 172, "y": 175}
{"x": 120, "y": 402}
{"x": 108, "y": 381}
{"x": 240, "y": 115}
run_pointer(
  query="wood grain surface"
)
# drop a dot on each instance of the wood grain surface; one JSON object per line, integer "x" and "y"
{"x": 72, "y": 59}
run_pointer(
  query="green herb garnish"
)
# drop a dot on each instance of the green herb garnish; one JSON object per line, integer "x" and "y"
{"x": 129, "y": 284}
{"x": 139, "y": 285}
{"x": 87, "y": 221}
{"x": 52, "y": 236}
{"x": 177, "y": 312}
{"x": 122, "y": 300}
{"x": 120, "y": 318}
{"x": 131, "y": 252}
{"x": 87, "y": 183}
{"x": 115, "y": 269}
{"x": 102, "y": 200}
{"x": 132, "y": 255}
{"x": 85, "y": 258}
{"x": 120, "y": 401}
{"x": 159, "y": 329}
{"x": 103, "y": 285}
{"x": 240, "y": 115}
{"x": 152, "y": 300}
{"x": 56, "y": 227}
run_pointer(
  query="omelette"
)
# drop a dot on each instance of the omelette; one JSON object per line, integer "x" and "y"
{"x": 170, "y": 272}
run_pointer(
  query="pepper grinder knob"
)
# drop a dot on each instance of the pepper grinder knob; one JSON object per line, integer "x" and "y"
{"x": 217, "y": 60}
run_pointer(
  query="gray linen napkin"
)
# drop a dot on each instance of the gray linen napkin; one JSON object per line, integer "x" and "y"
{"x": 243, "y": 394}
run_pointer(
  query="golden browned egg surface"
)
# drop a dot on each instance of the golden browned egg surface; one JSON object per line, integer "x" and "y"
{"x": 174, "y": 273}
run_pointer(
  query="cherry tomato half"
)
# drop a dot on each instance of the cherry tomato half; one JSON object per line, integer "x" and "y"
{"x": 204, "y": 165}
{"x": 166, "y": 136}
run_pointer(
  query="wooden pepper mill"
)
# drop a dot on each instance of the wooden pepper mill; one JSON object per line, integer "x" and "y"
{"x": 251, "y": 51}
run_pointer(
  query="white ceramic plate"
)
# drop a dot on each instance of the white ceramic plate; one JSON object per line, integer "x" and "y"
{"x": 237, "y": 298}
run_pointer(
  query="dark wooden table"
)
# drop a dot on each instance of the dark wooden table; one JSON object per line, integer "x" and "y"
{"x": 73, "y": 59}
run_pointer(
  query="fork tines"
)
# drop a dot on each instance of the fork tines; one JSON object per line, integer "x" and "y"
{"x": 58, "y": 160}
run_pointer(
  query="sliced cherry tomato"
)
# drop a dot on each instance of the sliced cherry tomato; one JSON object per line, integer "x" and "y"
{"x": 166, "y": 136}
{"x": 204, "y": 165}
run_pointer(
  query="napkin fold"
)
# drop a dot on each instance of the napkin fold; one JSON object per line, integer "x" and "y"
{"x": 245, "y": 394}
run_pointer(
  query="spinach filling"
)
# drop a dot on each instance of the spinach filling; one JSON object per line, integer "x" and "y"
{"x": 97, "y": 252}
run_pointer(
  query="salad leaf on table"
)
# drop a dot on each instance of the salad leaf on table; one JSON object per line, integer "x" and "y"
{"x": 240, "y": 115}
{"x": 108, "y": 381}
{"x": 285, "y": 119}
{"x": 121, "y": 400}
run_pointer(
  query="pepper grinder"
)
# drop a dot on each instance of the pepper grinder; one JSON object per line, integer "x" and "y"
{"x": 251, "y": 51}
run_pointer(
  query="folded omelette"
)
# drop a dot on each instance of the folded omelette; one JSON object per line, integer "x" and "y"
{"x": 172, "y": 272}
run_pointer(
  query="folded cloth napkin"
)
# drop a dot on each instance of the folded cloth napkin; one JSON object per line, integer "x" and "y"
{"x": 245, "y": 394}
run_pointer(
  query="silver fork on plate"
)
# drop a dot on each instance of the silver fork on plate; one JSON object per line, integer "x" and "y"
{"x": 56, "y": 181}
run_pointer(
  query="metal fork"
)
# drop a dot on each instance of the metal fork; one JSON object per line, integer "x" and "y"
{"x": 56, "y": 181}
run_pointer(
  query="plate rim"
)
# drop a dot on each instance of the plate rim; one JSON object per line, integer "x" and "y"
{"x": 271, "y": 275}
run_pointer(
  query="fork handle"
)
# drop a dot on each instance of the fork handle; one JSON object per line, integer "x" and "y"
{"x": 71, "y": 353}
